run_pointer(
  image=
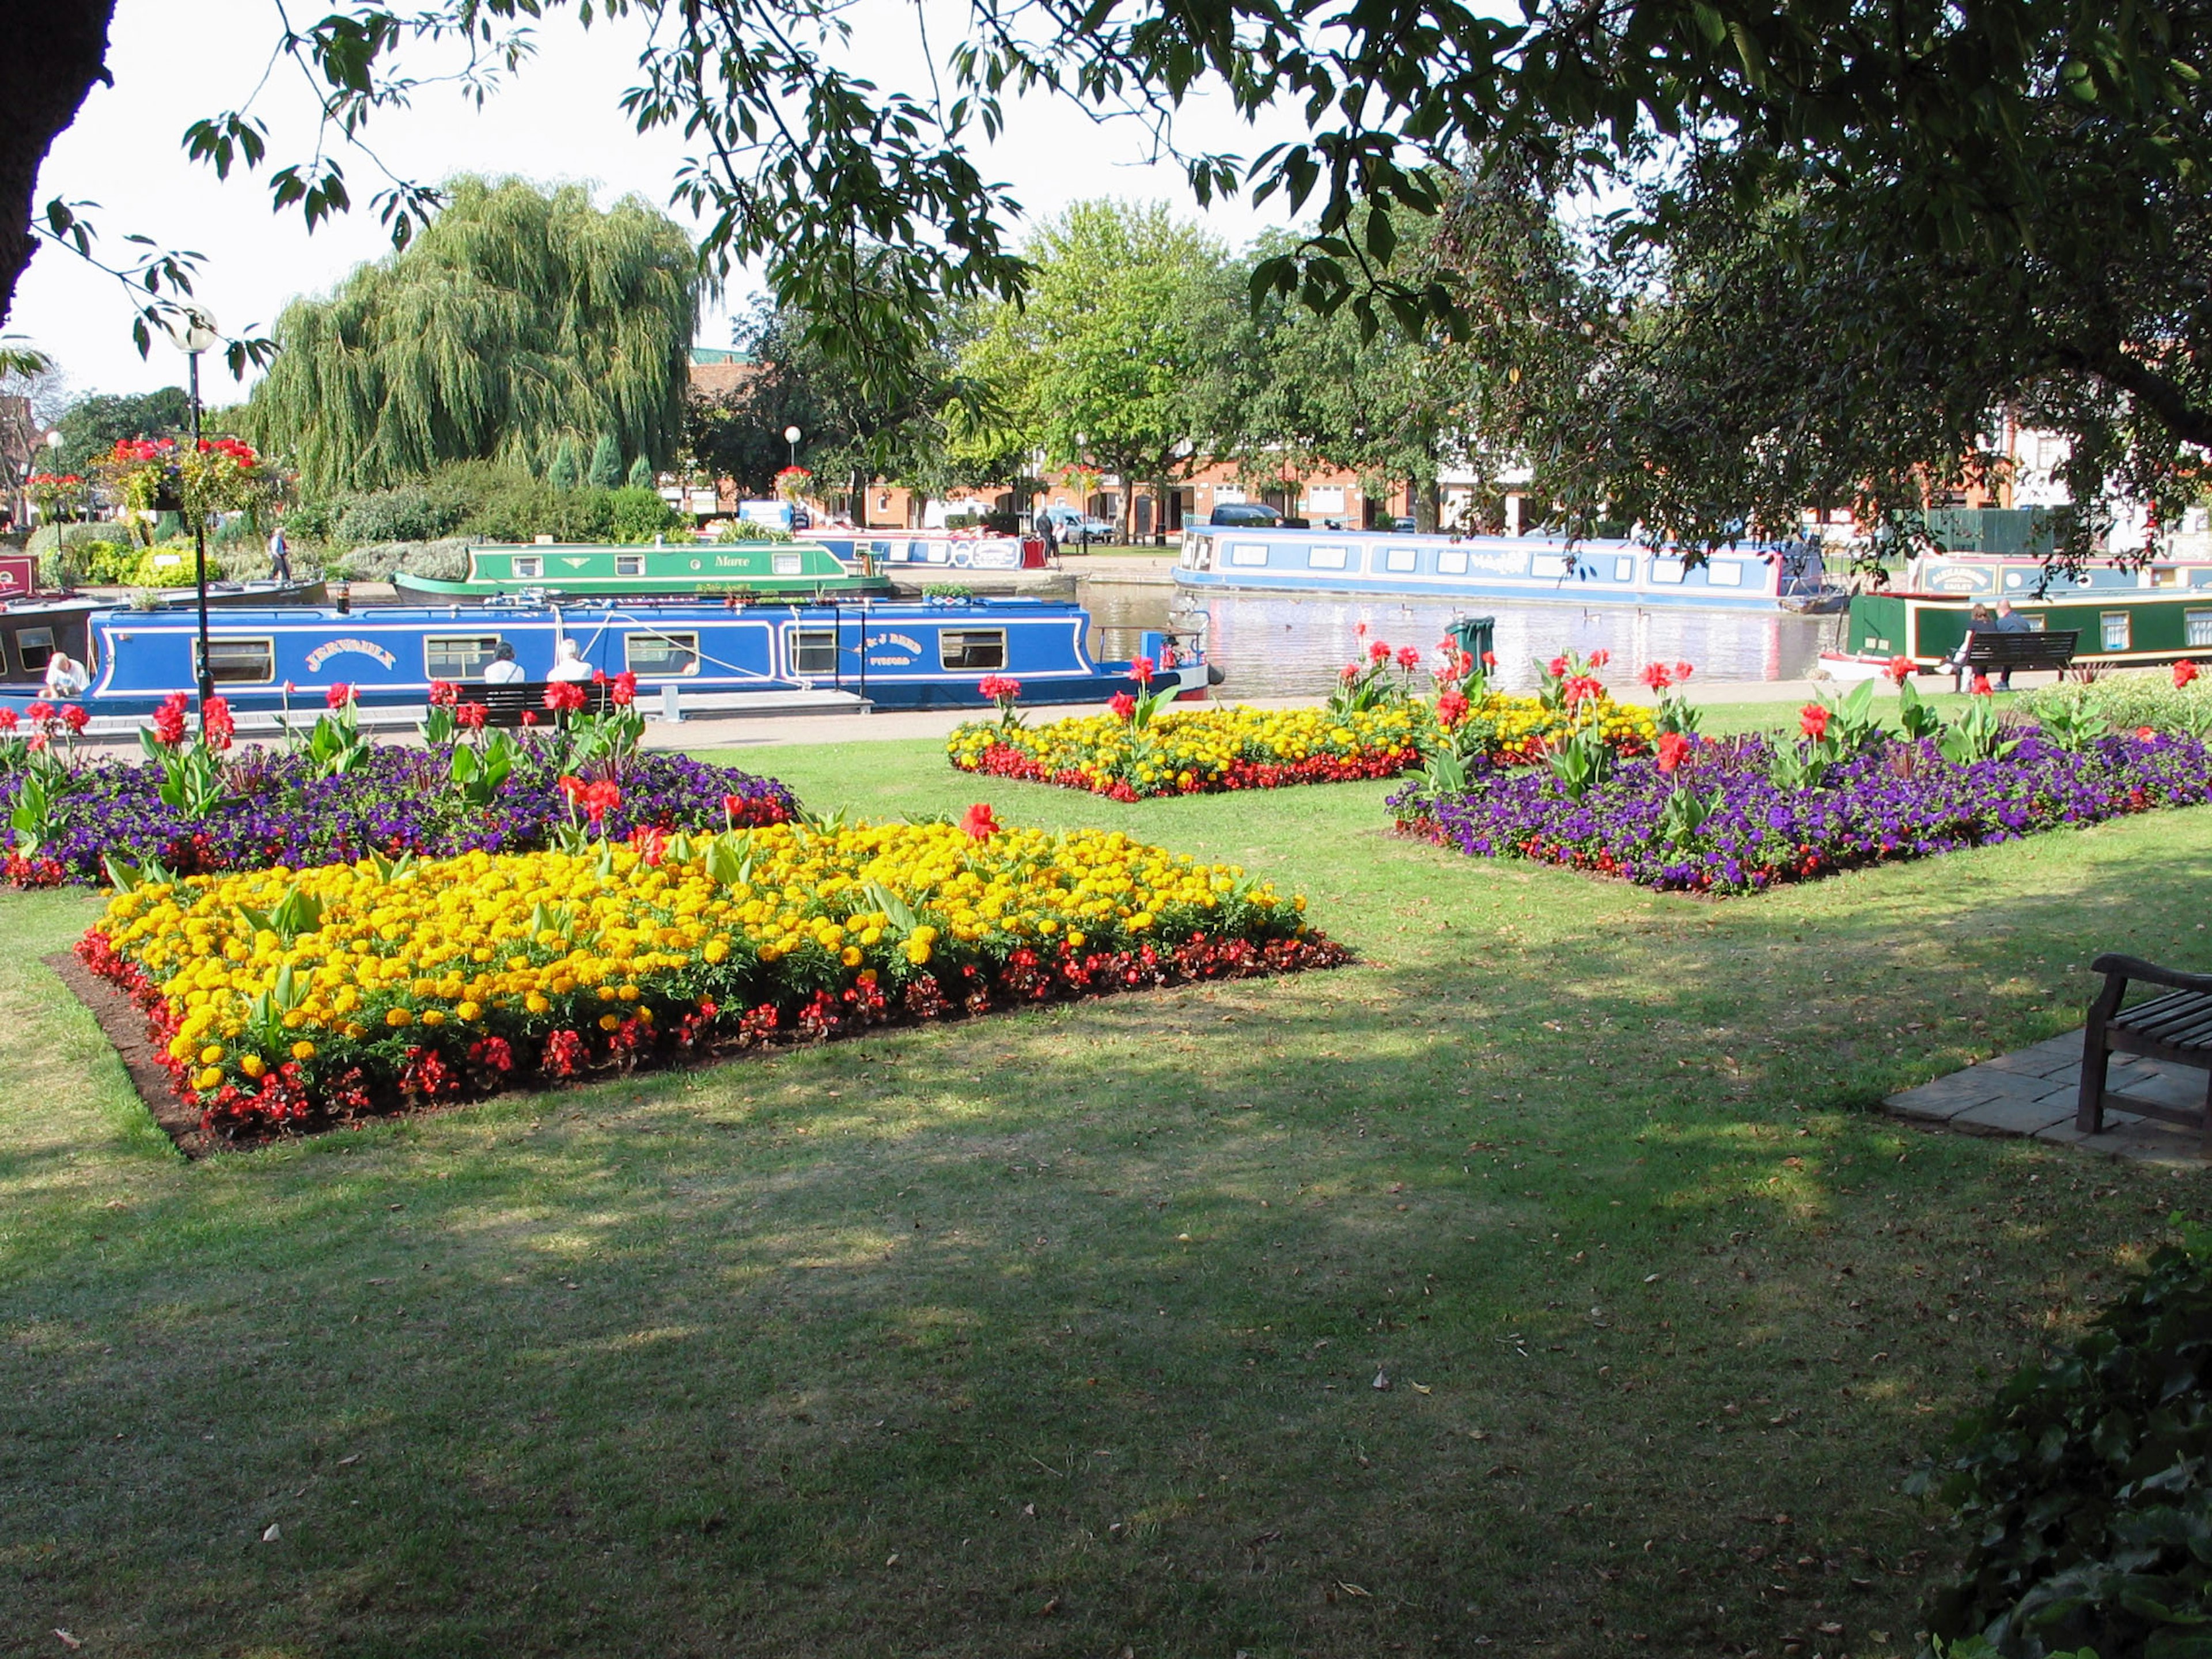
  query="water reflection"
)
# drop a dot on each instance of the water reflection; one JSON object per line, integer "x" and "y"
{"x": 1285, "y": 645}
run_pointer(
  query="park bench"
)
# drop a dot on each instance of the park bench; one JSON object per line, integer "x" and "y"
{"x": 2175, "y": 1025}
{"x": 2006, "y": 654}
{"x": 504, "y": 705}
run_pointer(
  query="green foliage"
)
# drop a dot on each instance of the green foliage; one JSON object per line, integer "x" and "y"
{"x": 641, "y": 475}
{"x": 639, "y": 515}
{"x": 606, "y": 471}
{"x": 91, "y": 426}
{"x": 562, "y": 474}
{"x": 411, "y": 512}
{"x": 2084, "y": 1491}
{"x": 442, "y": 561}
{"x": 1128, "y": 310}
{"x": 515, "y": 317}
{"x": 744, "y": 530}
{"x": 1976, "y": 734}
{"x": 2126, "y": 702}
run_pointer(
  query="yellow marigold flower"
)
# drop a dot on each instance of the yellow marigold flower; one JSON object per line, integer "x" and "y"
{"x": 210, "y": 1079}
{"x": 303, "y": 1050}
{"x": 469, "y": 1012}
{"x": 610, "y": 1022}
{"x": 211, "y": 1054}
{"x": 397, "y": 1016}
{"x": 252, "y": 1064}
{"x": 434, "y": 1017}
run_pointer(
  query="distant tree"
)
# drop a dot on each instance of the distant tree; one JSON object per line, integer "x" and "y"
{"x": 848, "y": 436}
{"x": 91, "y": 426}
{"x": 606, "y": 471}
{"x": 1125, "y": 313}
{"x": 640, "y": 474}
{"x": 515, "y": 317}
{"x": 562, "y": 474}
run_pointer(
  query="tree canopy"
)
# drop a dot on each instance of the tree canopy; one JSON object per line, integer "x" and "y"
{"x": 518, "y": 321}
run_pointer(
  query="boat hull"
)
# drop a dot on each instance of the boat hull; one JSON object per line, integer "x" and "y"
{"x": 431, "y": 590}
{"x": 889, "y": 655}
{"x": 1490, "y": 569}
{"x": 2118, "y": 628}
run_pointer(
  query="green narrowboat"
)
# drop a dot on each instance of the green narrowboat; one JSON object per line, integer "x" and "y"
{"x": 768, "y": 569}
{"x": 2118, "y": 628}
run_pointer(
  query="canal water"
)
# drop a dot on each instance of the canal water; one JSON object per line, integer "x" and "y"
{"x": 1279, "y": 645}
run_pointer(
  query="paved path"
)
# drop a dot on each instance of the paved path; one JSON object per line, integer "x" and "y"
{"x": 2033, "y": 1092}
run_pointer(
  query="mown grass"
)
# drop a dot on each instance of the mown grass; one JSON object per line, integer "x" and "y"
{"x": 1060, "y": 1333}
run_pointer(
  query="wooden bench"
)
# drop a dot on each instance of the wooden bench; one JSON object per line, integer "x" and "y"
{"x": 2005, "y": 653}
{"x": 504, "y": 705}
{"x": 2175, "y": 1025}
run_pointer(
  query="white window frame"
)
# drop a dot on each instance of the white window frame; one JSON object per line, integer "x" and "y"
{"x": 490, "y": 642}
{"x": 1248, "y": 554}
{"x": 1451, "y": 562}
{"x": 1324, "y": 557}
{"x": 47, "y": 635}
{"x": 2106, "y": 619}
{"x": 629, "y": 564}
{"x": 1401, "y": 561}
{"x": 2196, "y": 630}
{"x": 971, "y": 638}
{"x": 786, "y": 564}
{"x": 669, "y": 637}
{"x": 266, "y": 641}
{"x": 1723, "y": 573}
{"x": 527, "y": 566}
{"x": 812, "y": 638}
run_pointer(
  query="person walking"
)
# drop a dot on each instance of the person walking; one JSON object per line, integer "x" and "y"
{"x": 280, "y": 556}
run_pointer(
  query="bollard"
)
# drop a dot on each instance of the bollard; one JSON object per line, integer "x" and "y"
{"x": 671, "y": 711}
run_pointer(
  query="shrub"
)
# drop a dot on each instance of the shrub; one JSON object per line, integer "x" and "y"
{"x": 411, "y": 513}
{"x": 526, "y": 509}
{"x": 2125, "y": 703}
{"x": 639, "y": 515}
{"x": 446, "y": 561}
{"x": 2086, "y": 1488}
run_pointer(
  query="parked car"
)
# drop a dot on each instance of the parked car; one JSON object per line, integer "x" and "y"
{"x": 1253, "y": 515}
{"x": 1071, "y": 526}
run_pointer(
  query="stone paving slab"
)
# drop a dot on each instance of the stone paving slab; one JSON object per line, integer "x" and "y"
{"x": 2032, "y": 1093}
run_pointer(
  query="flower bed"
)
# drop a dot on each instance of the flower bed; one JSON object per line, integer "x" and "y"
{"x": 1711, "y": 817}
{"x": 283, "y": 1000}
{"x": 1197, "y": 750}
{"x": 274, "y": 810}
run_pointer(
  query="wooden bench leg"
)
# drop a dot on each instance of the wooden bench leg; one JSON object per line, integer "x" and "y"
{"x": 2096, "y": 1059}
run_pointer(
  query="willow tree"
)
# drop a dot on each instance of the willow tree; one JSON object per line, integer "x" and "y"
{"x": 516, "y": 321}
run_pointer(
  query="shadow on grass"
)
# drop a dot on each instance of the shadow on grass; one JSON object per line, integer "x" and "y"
{"x": 1061, "y": 1331}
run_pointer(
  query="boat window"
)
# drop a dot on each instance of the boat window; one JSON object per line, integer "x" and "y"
{"x": 1401, "y": 559}
{"x": 458, "y": 656}
{"x": 1325, "y": 558}
{"x": 1451, "y": 563}
{"x": 2196, "y": 627}
{"x": 2115, "y": 630}
{"x": 2166, "y": 576}
{"x": 528, "y": 565}
{"x": 1549, "y": 564}
{"x": 1666, "y": 571}
{"x": 1724, "y": 572}
{"x": 629, "y": 564}
{"x": 938, "y": 553}
{"x": 784, "y": 564}
{"x": 35, "y": 646}
{"x": 1247, "y": 553}
{"x": 660, "y": 656}
{"x": 1624, "y": 570}
{"x": 2016, "y": 578}
{"x": 971, "y": 648}
{"x": 813, "y": 651}
{"x": 241, "y": 662}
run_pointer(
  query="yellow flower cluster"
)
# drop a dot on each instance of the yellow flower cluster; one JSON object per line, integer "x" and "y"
{"x": 1185, "y": 751}
{"x": 524, "y": 943}
{"x": 1521, "y": 729}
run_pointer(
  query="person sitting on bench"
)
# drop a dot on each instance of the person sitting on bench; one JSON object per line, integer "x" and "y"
{"x": 568, "y": 663}
{"x": 502, "y": 669}
{"x": 2009, "y": 621}
{"x": 1978, "y": 621}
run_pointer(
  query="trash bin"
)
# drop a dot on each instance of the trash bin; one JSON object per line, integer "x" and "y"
{"x": 1476, "y": 635}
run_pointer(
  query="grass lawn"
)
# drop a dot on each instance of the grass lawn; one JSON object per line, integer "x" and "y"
{"x": 1066, "y": 1333}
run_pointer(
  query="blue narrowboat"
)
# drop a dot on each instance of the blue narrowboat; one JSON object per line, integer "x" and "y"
{"x": 887, "y": 654}
{"x": 1787, "y": 576}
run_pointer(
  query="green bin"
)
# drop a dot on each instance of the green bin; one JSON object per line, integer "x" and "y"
{"x": 1476, "y": 635}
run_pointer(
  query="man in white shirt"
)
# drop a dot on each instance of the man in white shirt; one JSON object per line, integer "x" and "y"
{"x": 65, "y": 680}
{"x": 568, "y": 663}
{"x": 502, "y": 669}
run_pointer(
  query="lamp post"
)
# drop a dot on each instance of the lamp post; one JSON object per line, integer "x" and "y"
{"x": 193, "y": 328}
{"x": 792, "y": 435}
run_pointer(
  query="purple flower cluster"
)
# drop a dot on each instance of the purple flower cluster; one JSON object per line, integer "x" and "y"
{"x": 1901, "y": 801}
{"x": 396, "y": 800}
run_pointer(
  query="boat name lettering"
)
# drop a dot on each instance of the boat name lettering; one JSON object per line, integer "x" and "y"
{"x": 901, "y": 640}
{"x": 323, "y": 652}
{"x": 1503, "y": 564}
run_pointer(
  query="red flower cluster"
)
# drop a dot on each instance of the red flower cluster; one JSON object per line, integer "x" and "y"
{"x": 979, "y": 823}
{"x": 1812, "y": 720}
{"x": 1672, "y": 747}
{"x": 1004, "y": 760}
{"x": 564, "y": 696}
{"x": 622, "y": 689}
{"x": 1140, "y": 669}
{"x": 1897, "y": 670}
{"x": 169, "y": 720}
{"x": 444, "y": 694}
{"x": 1451, "y": 709}
{"x": 2183, "y": 673}
{"x": 1000, "y": 688}
{"x": 338, "y": 695}
{"x": 1123, "y": 705}
{"x": 471, "y": 715}
{"x": 598, "y": 798}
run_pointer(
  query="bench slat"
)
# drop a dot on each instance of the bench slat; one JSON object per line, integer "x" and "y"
{"x": 2177, "y": 1022}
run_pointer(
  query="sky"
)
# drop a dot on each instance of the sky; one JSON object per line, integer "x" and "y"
{"x": 557, "y": 121}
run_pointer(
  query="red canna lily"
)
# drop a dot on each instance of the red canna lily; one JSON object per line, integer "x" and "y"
{"x": 1899, "y": 669}
{"x": 1673, "y": 745}
{"x": 979, "y": 823}
{"x": 1812, "y": 720}
{"x": 2183, "y": 673}
{"x": 1123, "y": 705}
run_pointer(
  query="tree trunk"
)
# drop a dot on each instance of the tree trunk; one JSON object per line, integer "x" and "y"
{"x": 55, "y": 50}
{"x": 1427, "y": 505}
